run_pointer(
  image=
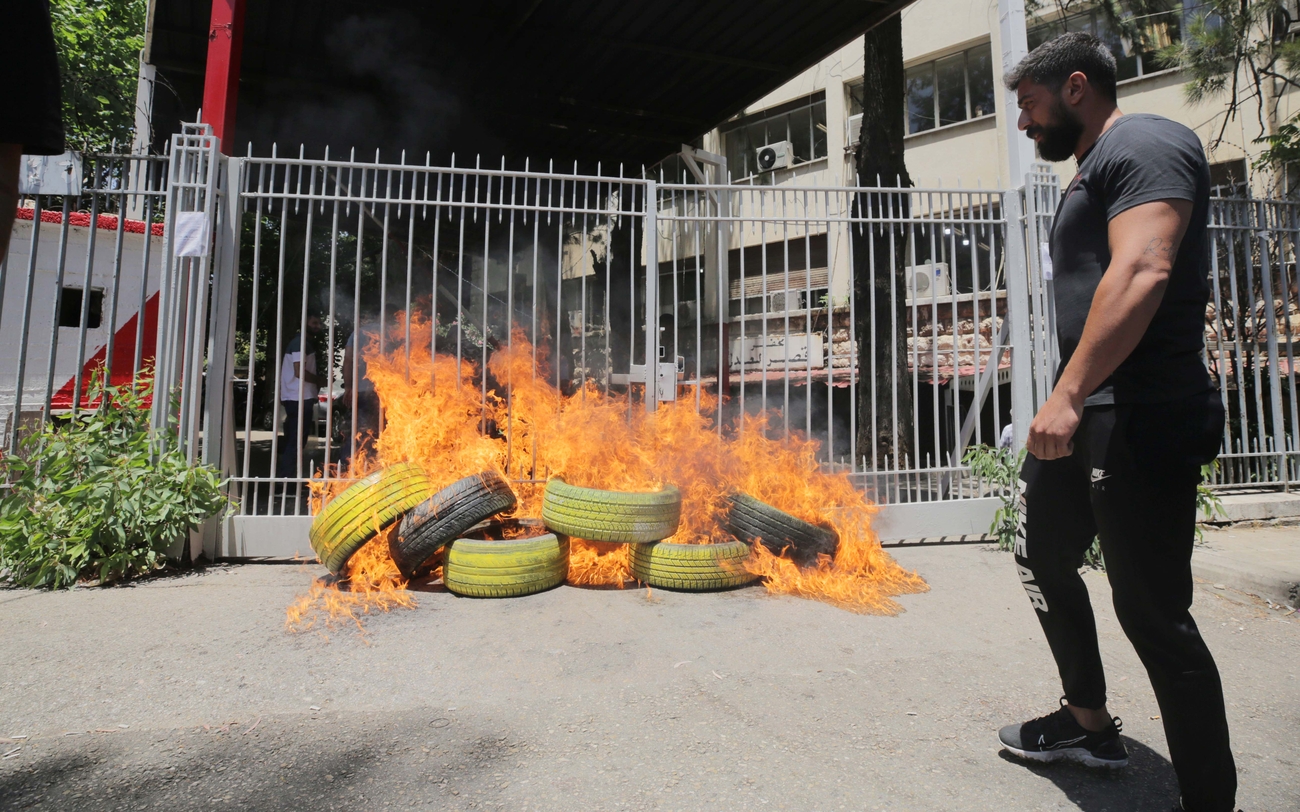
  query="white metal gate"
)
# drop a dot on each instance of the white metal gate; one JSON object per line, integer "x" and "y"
{"x": 789, "y": 299}
{"x": 751, "y": 299}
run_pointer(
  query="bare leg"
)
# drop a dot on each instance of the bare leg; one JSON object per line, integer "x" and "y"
{"x": 10, "y": 160}
{"x": 1090, "y": 719}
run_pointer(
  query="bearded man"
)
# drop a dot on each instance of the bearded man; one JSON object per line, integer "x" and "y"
{"x": 1116, "y": 451}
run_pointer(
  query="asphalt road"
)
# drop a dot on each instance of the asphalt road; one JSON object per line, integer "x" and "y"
{"x": 187, "y": 693}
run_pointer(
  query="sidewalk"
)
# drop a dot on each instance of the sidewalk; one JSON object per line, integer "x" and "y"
{"x": 1259, "y": 560}
{"x": 187, "y": 694}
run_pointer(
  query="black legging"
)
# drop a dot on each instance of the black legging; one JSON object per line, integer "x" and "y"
{"x": 1132, "y": 482}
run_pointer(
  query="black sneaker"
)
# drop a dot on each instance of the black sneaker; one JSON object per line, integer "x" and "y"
{"x": 1058, "y": 737}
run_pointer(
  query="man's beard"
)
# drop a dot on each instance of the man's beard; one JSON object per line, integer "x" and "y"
{"x": 1059, "y": 138}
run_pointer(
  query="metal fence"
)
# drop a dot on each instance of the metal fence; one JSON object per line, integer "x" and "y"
{"x": 1250, "y": 339}
{"x": 79, "y": 283}
{"x": 489, "y": 255}
{"x": 749, "y": 296}
{"x": 894, "y": 327}
{"x": 1250, "y": 329}
{"x": 800, "y": 288}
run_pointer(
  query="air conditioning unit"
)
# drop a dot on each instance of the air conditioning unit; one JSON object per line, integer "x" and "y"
{"x": 927, "y": 281}
{"x": 782, "y": 300}
{"x": 775, "y": 156}
{"x": 853, "y": 129}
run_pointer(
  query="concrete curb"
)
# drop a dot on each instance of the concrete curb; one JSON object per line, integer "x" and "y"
{"x": 1255, "y": 507}
{"x": 1262, "y": 561}
{"x": 1245, "y": 579}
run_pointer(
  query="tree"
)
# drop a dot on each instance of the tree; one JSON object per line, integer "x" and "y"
{"x": 99, "y": 43}
{"x": 882, "y": 334}
{"x": 1245, "y": 50}
{"x": 1240, "y": 53}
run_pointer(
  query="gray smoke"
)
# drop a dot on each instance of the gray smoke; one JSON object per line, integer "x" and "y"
{"x": 382, "y": 94}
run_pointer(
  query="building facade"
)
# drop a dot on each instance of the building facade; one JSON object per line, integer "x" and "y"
{"x": 956, "y": 132}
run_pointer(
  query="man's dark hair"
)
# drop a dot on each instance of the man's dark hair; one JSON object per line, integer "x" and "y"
{"x": 1051, "y": 63}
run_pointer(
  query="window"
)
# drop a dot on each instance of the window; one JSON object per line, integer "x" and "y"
{"x": 1131, "y": 60}
{"x": 70, "y": 308}
{"x": 801, "y": 122}
{"x": 1228, "y": 178}
{"x": 779, "y": 276}
{"x": 950, "y": 90}
{"x": 853, "y": 124}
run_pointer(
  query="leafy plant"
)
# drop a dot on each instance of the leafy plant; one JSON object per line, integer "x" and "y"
{"x": 1092, "y": 556}
{"x": 1244, "y": 54}
{"x": 1207, "y": 501}
{"x": 1001, "y": 468}
{"x": 99, "y": 43}
{"x": 92, "y": 496}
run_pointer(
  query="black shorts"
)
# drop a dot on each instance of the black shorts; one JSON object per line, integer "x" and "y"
{"x": 31, "y": 113}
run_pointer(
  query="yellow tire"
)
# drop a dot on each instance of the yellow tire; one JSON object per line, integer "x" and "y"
{"x": 613, "y": 516}
{"x": 510, "y": 568}
{"x": 356, "y": 516}
{"x": 691, "y": 567}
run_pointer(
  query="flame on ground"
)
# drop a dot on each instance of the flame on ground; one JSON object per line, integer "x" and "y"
{"x": 436, "y": 415}
{"x": 373, "y": 584}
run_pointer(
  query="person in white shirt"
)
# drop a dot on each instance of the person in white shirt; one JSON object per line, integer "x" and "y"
{"x": 299, "y": 385}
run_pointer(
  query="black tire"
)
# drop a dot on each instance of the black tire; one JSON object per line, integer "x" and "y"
{"x": 612, "y": 516}
{"x": 509, "y": 568}
{"x": 435, "y": 522}
{"x": 750, "y": 520}
{"x": 691, "y": 567}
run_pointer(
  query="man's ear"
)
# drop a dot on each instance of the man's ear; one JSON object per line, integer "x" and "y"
{"x": 1076, "y": 84}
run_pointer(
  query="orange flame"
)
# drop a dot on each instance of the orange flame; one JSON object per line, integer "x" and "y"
{"x": 595, "y": 563}
{"x": 436, "y": 415}
{"x": 373, "y": 583}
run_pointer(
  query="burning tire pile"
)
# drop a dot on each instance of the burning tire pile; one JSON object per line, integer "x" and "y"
{"x": 744, "y": 504}
{"x": 486, "y": 557}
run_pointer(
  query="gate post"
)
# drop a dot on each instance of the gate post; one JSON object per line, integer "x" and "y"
{"x": 1022, "y": 357}
{"x": 218, "y": 420}
{"x": 183, "y": 290}
{"x": 651, "y": 296}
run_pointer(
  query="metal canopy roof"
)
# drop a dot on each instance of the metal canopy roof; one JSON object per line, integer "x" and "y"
{"x": 565, "y": 79}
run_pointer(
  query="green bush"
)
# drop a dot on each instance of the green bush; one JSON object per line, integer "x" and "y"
{"x": 1000, "y": 467}
{"x": 91, "y": 497}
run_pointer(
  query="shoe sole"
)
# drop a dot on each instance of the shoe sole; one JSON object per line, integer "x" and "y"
{"x": 1076, "y": 754}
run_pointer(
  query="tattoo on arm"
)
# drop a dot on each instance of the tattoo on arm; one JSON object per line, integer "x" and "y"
{"x": 1161, "y": 248}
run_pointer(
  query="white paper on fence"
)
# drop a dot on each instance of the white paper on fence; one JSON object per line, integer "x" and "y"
{"x": 1045, "y": 259}
{"x": 191, "y": 235}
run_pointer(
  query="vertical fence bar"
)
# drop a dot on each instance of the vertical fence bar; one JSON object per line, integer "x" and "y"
{"x": 1278, "y": 434}
{"x": 55, "y": 312}
{"x": 1022, "y": 330}
{"x": 651, "y": 296}
{"x": 83, "y": 320}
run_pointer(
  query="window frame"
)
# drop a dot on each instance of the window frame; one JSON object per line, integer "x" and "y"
{"x": 784, "y": 110}
{"x": 933, "y": 66}
{"x": 1090, "y": 19}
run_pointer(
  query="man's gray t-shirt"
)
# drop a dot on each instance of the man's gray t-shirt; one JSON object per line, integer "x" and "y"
{"x": 1140, "y": 159}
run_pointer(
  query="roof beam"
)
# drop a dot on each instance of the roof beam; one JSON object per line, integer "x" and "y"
{"x": 522, "y": 19}
{"x": 700, "y": 56}
{"x": 636, "y": 112}
{"x": 560, "y": 34}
